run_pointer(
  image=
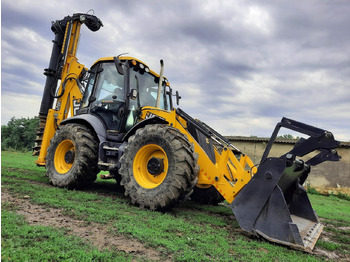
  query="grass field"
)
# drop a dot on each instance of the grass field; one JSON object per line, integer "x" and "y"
{"x": 41, "y": 222}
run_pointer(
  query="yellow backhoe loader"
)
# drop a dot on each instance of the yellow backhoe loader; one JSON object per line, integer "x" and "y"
{"x": 119, "y": 116}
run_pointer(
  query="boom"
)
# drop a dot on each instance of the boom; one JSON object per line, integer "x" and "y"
{"x": 64, "y": 67}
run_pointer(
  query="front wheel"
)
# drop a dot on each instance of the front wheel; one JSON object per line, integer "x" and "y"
{"x": 72, "y": 157}
{"x": 158, "y": 167}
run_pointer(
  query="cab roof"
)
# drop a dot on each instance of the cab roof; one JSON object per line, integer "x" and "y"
{"x": 128, "y": 58}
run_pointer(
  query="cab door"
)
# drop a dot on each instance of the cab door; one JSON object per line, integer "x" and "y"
{"x": 106, "y": 99}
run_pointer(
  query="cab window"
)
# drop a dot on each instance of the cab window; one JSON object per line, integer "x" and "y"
{"x": 110, "y": 85}
{"x": 147, "y": 86}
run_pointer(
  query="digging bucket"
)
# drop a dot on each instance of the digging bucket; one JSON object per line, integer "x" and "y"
{"x": 274, "y": 204}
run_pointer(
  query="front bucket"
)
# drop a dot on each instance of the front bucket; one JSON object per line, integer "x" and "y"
{"x": 276, "y": 207}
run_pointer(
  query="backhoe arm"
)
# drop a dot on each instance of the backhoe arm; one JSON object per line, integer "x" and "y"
{"x": 63, "y": 67}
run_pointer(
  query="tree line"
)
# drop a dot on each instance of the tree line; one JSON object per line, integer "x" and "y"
{"x": 19, "y": 134}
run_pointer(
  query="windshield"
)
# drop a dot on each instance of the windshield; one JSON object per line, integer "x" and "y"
{"x": 110, "y": 86}
{"x": 147, "y": 86}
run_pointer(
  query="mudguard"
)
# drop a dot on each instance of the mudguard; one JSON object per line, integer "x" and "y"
{"x": 148, "y": 121}
{"x": 91, "y": 121}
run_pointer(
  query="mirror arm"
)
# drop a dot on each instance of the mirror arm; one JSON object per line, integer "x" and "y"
{"x": 118, "y": 65}
{"x": 178, "y": 97}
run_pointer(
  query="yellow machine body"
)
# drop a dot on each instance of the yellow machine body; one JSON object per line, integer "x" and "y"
{"x": 158, "y": 153}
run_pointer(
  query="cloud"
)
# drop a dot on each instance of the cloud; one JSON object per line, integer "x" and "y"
{"x": 239, "y": 65}
{"x": 18, "y": 105}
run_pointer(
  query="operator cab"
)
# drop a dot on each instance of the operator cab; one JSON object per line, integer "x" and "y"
{"x": 116, "y": 98}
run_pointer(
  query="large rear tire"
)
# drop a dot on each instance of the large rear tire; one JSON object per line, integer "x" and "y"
{"x": 158, "y": 167}
{"x": 72, "y": 157}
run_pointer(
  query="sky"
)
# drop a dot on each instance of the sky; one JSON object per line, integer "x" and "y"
{"x": 240, "y": 66}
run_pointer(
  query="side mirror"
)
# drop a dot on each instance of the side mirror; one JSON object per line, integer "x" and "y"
{"x": 92, "y": 99}
{"x": 178, "y": 97}
{"x": 133, "y": 94}
{"x": 118, "y": 65}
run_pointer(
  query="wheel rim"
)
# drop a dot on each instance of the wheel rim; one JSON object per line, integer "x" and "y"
{"x": 62, "y": 164}
{"x": 203, "y": 186}
{"x": 141, "y": 168}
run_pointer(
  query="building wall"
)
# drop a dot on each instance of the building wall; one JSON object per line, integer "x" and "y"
{"x": 326, "y": 174}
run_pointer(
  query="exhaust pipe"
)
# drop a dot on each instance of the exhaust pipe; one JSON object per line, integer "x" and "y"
{"x": 160, "y": 83}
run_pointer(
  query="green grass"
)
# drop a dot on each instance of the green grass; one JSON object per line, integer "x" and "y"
{"x": 331, "y": 246}
{"x": 332, "y": 208}
{"x": 189, "y": 232}
{"x": 23, "y": 242}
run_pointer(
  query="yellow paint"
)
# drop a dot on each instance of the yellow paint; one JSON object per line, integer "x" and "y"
{"x": 65, "y": 38}
{"x": 128, "y": 58}
{"x": 59, "y": 159}
{"x": 141, "y": 174}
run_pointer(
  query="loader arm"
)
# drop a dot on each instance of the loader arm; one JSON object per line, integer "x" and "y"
{"x": 64, "y": 68}
{"x": 221, "y": 164}
{"x": 268, "y": 201}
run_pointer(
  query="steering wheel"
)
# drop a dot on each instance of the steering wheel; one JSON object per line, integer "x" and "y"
{"x": 116, "y": 107}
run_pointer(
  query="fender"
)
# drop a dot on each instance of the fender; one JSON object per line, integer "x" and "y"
{"x": 91, "y": 121}
{"x": 143, "y": 123}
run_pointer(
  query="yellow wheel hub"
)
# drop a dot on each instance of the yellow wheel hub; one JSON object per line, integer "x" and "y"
{"x": 64, "y": 156}
{"x": 203, "y": 186}
{"x": 150, "y": 166}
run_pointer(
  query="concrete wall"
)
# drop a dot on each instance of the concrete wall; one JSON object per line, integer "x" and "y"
{"x": 326, "y": 174}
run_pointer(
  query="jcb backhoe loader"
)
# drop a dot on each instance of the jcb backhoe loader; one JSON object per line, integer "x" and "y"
{"x": 119, "y": 116}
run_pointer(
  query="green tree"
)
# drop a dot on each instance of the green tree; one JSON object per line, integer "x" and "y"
{"x": 289, "y": 136}
{"x": 19, "y": 134}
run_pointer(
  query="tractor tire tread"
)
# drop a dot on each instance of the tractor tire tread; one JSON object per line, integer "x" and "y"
{"x": 84, "y": 169}
{"x": 172, "y": 189}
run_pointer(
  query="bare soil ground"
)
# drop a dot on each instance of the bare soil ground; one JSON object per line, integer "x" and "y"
{"x": 99, "y": 236}
{"x": 95, "y": 233}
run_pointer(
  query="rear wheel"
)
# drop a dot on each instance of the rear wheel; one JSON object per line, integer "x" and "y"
{"x": 158, "y": 167}
{"x": 72, "y": 157}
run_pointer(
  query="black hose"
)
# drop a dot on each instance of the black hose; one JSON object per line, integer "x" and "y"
{"x": 64, "y": 85}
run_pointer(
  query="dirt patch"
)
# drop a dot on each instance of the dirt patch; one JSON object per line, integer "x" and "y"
{"x": 325, "y": 253}
{"x": 95, "y": 233}
{"x": 99, "y": 235}
{"x": 333, "y": 190}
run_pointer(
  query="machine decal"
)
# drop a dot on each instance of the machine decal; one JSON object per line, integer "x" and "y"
{"x": 76, "y": 105}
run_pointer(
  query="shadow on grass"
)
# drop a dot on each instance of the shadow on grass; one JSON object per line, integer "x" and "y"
{"x": 106, "y": 187}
